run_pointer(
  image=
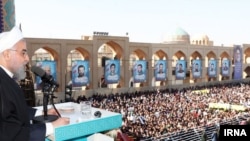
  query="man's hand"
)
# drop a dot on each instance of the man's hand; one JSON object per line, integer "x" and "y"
{"x": 60, "y": 121}
{"x": 52, "y": 111}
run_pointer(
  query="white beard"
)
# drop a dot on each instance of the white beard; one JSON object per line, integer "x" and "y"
{"x": 20, "y": 73}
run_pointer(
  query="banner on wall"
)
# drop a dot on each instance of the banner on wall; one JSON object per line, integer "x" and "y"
{"x": 112, "y": 71}
{"x": 80, "y": 73}
{"x": 139, "y": 71}
{"x": 160, "y": 70}
{"x": 196, "y": 69}
{"x": 225, "y": 67}
{"x": 237, "y": 62}
{"x": 212, "y": 67}
{"x": 180, "y": 71}
{"x": 49, "y": 67}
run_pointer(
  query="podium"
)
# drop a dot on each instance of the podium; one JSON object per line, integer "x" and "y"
{"x": 79, "y": 128}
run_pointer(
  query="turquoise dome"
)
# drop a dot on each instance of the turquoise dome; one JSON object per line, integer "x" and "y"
{"x": 180, "y": 32}
{"x": 180, "y": 36}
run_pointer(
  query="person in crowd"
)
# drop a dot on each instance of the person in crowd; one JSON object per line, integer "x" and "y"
{"x": 161, "y": 113}
{"x": 15, "y": 115}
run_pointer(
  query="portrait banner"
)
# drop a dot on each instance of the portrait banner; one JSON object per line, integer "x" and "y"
{"x": 160, "y": 72}
{"x": 196, "y": 69}
{"x": 237, "y": 62}
{"x": 212, "y": 68}
{"x": 112, "y": 71}
{"x": 225, "y": 67}
{"x": 50, "y": 68}
{"x": 80, "y": 73}
{"x": 180, "y": 71}
{"x": 140, "y": 71}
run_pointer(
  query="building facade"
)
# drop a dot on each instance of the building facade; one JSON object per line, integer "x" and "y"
{"x": 96, "y": 48}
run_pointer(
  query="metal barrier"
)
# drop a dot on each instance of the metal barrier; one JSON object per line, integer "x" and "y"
{"x": 195, "y": 134}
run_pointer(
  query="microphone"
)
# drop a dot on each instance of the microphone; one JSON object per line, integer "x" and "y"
{"x": 48, "y": 80}
{"x": 44, "y": 76}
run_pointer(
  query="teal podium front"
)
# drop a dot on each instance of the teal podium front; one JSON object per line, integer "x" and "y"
{"x": 79, "y": 128}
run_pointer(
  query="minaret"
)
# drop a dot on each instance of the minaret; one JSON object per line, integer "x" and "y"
{"x": 7, "y": 15}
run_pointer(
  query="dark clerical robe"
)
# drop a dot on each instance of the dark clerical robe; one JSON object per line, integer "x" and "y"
{"x": 15, "y": 115}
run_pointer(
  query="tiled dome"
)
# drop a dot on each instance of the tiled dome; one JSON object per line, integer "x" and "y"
{"x": 178, "y": 36}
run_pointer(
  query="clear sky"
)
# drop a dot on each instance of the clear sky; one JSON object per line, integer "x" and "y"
{"x": 224, "y": 21}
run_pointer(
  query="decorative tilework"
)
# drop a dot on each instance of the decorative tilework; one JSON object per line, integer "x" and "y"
{"x": 7, "y": 15}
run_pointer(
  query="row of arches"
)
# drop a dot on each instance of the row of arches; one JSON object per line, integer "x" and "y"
{"x": 100, "y": 48}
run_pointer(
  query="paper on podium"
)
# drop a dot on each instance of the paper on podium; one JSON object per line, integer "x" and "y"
{"x": 99, "y": 137}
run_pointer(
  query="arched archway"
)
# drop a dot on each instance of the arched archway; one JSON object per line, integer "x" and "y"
{"x": 48, "y": 60}
{"x": 211, "y": 63}
{"x": 160, "y": 65}
{"x": 224, "y": 66}
{"x": 179, "y": 63}
{"x": 195, "y": 69}
{"x": 110, "y": 51}
{"x": 138, "y": 55}
{"x": 75, "y": 59}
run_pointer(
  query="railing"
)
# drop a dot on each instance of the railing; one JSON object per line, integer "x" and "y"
{"x": 195, "y": 134}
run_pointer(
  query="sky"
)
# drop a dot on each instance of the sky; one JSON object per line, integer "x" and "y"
{"x": 225, "y": 22}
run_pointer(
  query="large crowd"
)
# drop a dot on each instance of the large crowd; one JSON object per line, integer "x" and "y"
{"x": 157, "y": 112}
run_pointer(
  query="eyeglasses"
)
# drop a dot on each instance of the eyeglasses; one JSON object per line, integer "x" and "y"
{"x": 23, "y": 52}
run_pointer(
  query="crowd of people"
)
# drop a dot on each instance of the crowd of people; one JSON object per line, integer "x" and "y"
{"x": 157, "y": 112}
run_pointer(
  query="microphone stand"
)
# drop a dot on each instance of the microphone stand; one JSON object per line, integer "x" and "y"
{"x": 48, "y": 91}
{"x": 52, "y": 100}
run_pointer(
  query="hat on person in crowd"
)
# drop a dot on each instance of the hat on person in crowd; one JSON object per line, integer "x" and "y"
{"x": 10, "y": 38}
